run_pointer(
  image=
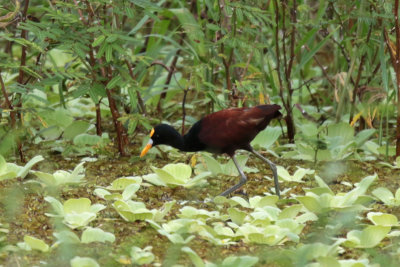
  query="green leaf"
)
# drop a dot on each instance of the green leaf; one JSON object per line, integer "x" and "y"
{"x": 124, "y": 182}
{"x": 56, "y": 205}
{"x": 142, "y": 256}
{"x": 154, "y": 179}
{"x": 3, "y": 165}
{"x": 383, "y": 219}
{"x": 61, "y": 177}
{"x": 260, "y": 202}
{"x": 77, "y": 205}
{"x": 102, "y": 193}
{"x": 310, "y": 54}
{"x": 192, "y": 29}
{"x": 98, "y": 40}
{"x": 83, "y": 262}
{"x": 194, "y": 213}
{"x": 370, "y": 237}
{"x": 212, "y": 164}
{"x": 76, "y": 128}
{"x": 112, "y": 38}
{"x": 24, "y": 170}
{"x": 76, "y": 212}
{"x": 196, "y": 260}
{"x": 132, "y": 210}
{"x": 158, "y": 215}
{"x": 114, "y": 82}
{"x": 237, "y": 216}
{"x": 290, "y": 212}
{"x": 180, "y": 171}
{"x": 86, "y": 140}
{"x": 341, "y": 130}
{"x": 175, "y": 175}
{"x": 130, "y": 191}
{"x": 67, "y": 237}
{"x": 309, "y": 129}
{"x": 267, "y": 138}
{"x": 314, "y": 203}
{"x": 139, "y": 25}
{"x": 386, "y": 196}
{"x": 96, "y": 235}
{"x": 147, "y": 5}
{"x": 360, "y": 189}
{"x": 322, "y": 183}
{"x": 296, "y": 177}
{"x": 36, "y": 244}
{"x": 109, "y": 57}
{"x": 363, "y": 136}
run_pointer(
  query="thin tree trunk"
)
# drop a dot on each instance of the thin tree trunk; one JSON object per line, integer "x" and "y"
{"x": 395, "y": 57}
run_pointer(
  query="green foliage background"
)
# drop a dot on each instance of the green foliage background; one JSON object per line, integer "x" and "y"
{"x": 90, "y": 77}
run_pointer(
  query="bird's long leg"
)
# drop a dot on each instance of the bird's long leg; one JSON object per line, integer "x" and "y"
{"x": 273, "y": 168}
{"x": 242, "y": 181}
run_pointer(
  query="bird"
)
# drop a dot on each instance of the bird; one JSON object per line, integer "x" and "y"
{"x": 221, "y": 132}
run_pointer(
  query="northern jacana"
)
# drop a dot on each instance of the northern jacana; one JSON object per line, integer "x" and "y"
{"x": 223, "y": 131}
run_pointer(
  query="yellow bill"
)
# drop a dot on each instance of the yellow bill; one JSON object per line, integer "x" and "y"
{"x": 149, "y": 144}
{"x": 146, "y": 148}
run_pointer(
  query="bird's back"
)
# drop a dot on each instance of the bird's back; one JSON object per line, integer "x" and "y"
{"x": 230, "y": 129}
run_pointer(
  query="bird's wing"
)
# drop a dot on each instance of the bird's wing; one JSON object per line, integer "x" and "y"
{"x": 236, "y": 126}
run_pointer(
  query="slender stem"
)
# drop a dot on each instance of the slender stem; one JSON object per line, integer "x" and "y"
{"x": 184, "y": 110}
{"x": 121, "y": 135}
{"x": 139, "y": 97}
{"x": 92, "y": 59}
{"x": 7, "y": 100}
{"x": 284, "y": 37}
{"x": 397, "y": 70}
{"x": 293, "y": 36}
{"x": 80, "y": 13}
{"x": 224, "y": 25}
{"x": 249, "y": 59}
{"x": 170, "y": 73}
{"x": 99, "y": 131}
{"x": 360, "y": 70}
{"x": 24, "y": 35}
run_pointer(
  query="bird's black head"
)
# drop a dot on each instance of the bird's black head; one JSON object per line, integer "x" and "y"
{"x": 163, "y": 134}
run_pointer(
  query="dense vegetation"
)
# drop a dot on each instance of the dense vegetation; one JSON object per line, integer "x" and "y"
{"x": 83, "y": 82}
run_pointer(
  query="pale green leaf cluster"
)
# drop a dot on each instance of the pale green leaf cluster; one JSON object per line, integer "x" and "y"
{"x": 89, "y": 235}
{"x": 387, "y": 197}
{"x": 173, "y": 175}
{"x": 265, "y": 223}
{"x": 266, "y": 138}
{"x": 322, "y": 199}
{"x": 61, "y": 177}
{"x": 142, "y": 256}
{"x": 12, "y": 170}
{"x": 332, "y": 141}
{"x": 132, "y": 211}
{"x": 210, "y": 164}
{"x": 396, "y": 164}
{"x": 33, "y": 243}
{"x": 76, "y": 212}
{"x": 299, "y": 174}
{"x": 234, "y": 261}
{"x": 128, "y": 185}
{"x": 83, "y": 262}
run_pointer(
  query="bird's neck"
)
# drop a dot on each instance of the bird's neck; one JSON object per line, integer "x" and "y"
{"x": 187, "y": 143}
{"x": 177, "y": 141}
{"x": 190, "y": 142}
